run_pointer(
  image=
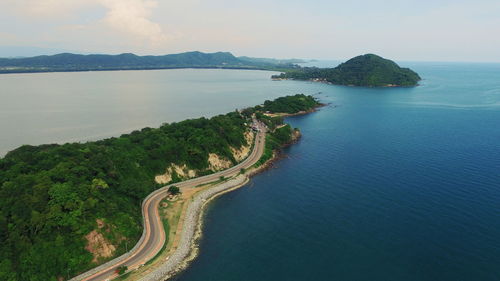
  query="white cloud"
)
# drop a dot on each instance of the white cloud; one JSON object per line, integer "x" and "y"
{"x": 132, "y": 17}
{"x": 399, "y": 29}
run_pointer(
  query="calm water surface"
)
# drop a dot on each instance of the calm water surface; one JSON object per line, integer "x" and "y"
{"x": 391, "y": 184}
{"x": 62, "y": 107}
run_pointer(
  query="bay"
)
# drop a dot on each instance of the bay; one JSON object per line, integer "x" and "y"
{"x": 387, "y": 184}
{"x": 80, "y": 106}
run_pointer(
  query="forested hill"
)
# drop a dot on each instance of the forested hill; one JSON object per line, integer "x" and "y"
{"x": 366, "y": 70}
{"x": 75, "y": 62}
{"x": 54, "y": 199}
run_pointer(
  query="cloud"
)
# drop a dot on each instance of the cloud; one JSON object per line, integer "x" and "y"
{"x": 132, "y": 17}
{"x": 400, "y": 29}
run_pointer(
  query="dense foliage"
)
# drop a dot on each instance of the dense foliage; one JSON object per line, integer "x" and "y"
{"x": 366, "y": 70}
{"x": 174, "y": 190}
{"x": 288, "y": 104}
{"x": 51, "y": 195}
{"x": 75, "y": 62}
{"x": 274, "y": 140}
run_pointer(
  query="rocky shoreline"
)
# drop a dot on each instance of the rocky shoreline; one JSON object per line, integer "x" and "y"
{"x": 188, "y": 247}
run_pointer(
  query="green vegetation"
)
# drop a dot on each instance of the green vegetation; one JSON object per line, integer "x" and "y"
{"x": 174, "y": 190}
{"x": 121, "y": 269}
{"x": 366, "y": 70}
{"x": 289, "y": 104}
{"x": 75, "y": 62}
{"x": 275, "y": 140}
{"x": 124, "y": 276}
{"x": 52, "y": 196}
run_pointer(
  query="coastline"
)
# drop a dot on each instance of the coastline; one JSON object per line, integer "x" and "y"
{"x": 34, "y": 71}
{"x": 316, "y": 80}
{"x": 192, "y": 228}
{"x": 194, "y": 248}
{"x": 303, "y": 112}
{"x": 178, "y": 219}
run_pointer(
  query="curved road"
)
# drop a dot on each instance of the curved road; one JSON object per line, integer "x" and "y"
{"x": 154, "y": 237}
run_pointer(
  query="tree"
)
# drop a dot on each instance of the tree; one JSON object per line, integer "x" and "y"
{"x": 121, "y": 269}
{"x": 52, "y": 195}
{"x": 174, "y": 190}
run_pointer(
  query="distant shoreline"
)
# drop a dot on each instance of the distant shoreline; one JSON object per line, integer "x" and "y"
{"x": 31, "y": 71}
{"x": 355, "y": 86}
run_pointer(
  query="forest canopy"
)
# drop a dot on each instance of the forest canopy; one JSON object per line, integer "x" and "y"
{"x": 52, "y": 196}
{"x": 367, "y": 70}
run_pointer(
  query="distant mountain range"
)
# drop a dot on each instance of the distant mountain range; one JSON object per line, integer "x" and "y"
{"x": 76, "y": 62}
{"x": 366, "y": 70}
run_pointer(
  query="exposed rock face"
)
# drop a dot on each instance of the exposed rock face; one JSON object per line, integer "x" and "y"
{"x": 99, "y": 246}
{"x": 181, "y": 171}
{"x": 243, "y": 151}
{"x": 217, "y": 163}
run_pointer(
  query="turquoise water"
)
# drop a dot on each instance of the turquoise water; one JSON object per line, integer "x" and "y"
{"x": 387, "y": 184}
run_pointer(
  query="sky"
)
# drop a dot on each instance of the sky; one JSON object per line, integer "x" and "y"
{"x": 408, "y": 30}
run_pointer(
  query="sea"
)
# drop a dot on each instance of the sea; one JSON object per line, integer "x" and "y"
{"x": 385, "y": 184}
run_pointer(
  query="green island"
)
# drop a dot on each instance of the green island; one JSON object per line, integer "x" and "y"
{"x": 56, "y": 199}
{"x": 367, "y": 70}
{"x": 67, "y": 62}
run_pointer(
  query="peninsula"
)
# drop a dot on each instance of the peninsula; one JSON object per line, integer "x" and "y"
{"x": 367, "y": 70}
{"x": 65, "y": 209}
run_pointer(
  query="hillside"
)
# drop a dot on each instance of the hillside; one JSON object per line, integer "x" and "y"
{"x": 67, "y": 208}
{"x": 76, "y": 62}
{"x": 366, "y": 70}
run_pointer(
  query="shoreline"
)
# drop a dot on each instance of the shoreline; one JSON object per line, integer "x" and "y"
{"x": 195, "y": 245}
{"x": 6, "y": 72}
{"x": 316, "y": 80}
{"x": 192, "y": 229}
{"x": 303, "y": 112}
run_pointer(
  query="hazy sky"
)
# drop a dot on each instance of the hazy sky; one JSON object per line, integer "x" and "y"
{"x": 438, "y": 30}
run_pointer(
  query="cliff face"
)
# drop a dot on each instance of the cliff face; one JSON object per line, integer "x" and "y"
{"x": 215, "y": 163}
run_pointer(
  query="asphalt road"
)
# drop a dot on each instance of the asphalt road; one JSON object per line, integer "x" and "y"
{"x": 155, "y": 234}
